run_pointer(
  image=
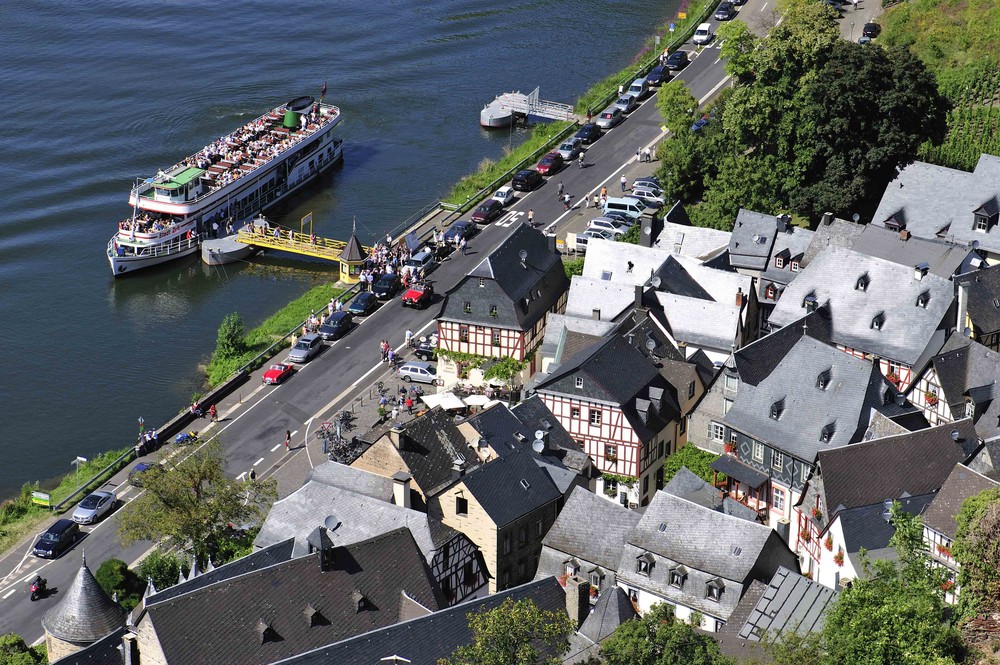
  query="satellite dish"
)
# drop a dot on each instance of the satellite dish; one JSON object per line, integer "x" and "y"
{"x": 856, "y": 217}
{"x": 523, "y": 254}
{"x": 540, "y": 434}
{"x": 655, "y": 282}
{"x": 647, "y": 230}
{"x": 967, "y": 331}
{"x": 331, "y": 522}
{"x": 650, "y": 344}
{"x": 975, "y": 244}
{"x": 538, "y": 446}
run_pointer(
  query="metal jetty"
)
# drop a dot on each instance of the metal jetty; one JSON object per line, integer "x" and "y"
{"x": 513, "y": 105}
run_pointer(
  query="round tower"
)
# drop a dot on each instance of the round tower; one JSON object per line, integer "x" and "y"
{"x": 84, "y": 615}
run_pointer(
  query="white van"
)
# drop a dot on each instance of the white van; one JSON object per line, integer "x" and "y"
{"x": 639, "y": 88}
{"x": 702, "y": 34}
{"x": 634, "y": 208}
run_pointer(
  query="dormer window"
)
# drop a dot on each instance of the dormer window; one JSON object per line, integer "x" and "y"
{"x": 823, "y": 380}
{"x": 777, "y": 409}
{"x": 779, "y": 262}
{"x": 795, "y": 266}
{"x": 714, "y": 589}
{"x": 863, "y": 281}
{"x": 923, "y": 299}
{"x": 982, "y": 223}
{"x": 810, "y": 302}
{"x": 644, "y": 564}
{"x": 677, "y": 576}
{"x": 482, "y": 282}
{"x": 769, "y": 292}
{"x": 970, "y": 409}
{"x": 878, "y": 321}
{"x": 467, "y": 307}
{"x": 826, "y": 434}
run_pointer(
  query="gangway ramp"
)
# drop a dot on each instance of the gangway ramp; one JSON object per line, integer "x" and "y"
{"x": 287, "y": 240}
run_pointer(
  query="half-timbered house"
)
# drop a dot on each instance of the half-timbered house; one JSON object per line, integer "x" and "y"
{"x": 499, "y": 310}
{"x": 979, "y": 306}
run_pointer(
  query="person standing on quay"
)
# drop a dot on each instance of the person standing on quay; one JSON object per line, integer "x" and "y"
{"x": 213, "y": 414}
{"x": 531, "y": 217}
{"x": 288, "y": 438}
{"x": 624, "y": 183}
{"x": 559, "y": 191}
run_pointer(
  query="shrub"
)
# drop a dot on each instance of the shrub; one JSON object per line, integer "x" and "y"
{"x": 114, "y": 576}
{"x": 164, "y": 568}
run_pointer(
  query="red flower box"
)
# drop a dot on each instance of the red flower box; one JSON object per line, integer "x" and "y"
{"x": 838, "y": 558}
{"x": 828, "y": 543}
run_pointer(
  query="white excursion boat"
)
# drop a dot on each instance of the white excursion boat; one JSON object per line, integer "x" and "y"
{"x": 227, "y": 182}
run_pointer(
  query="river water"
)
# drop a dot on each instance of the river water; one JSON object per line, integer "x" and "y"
{"x": 98, "y": 93}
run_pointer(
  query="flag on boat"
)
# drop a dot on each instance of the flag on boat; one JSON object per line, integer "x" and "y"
{"x": 322, "y": 92}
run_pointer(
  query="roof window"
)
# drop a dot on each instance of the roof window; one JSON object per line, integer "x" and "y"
{"x": 579, "y": 382}
{"x": 878, "y": 321}
{"x": 863, "y": 281}
{"x": 923, "y": 299}
{"x": 823, "y": 380}
{"x": 826, "y": 434}
{"x": 777, "y": 409}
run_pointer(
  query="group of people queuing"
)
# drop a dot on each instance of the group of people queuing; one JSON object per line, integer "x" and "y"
{"x": 387, "y": 259}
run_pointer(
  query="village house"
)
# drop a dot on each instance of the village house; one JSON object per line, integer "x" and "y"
{"x": 979, "y": 306}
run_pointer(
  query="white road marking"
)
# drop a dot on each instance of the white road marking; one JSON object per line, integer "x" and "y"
{"x": 294, "y": 432}
{"x": 258, "y": 461}
{"x": 9, "y": 593}
{"x": 275, "y": 447}
{"x": 241, "y": 476}
{"x": 508, "y": 219}
{"x": 762, "y": 8}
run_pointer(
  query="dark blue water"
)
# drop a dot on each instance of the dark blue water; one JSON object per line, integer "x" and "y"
{"x": 96, "y": 93}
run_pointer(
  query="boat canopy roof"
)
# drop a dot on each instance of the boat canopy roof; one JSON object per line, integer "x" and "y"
{"x": 181, "y": 179}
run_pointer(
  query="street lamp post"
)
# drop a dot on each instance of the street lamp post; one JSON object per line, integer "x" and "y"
{"x": 78, "y": 461}
{"x": 852, "y": 31}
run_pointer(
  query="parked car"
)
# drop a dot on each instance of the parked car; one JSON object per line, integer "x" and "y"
{"x": 658, "y": 76}
{"x": 609, "y": 117}
{"x": 726, "y": 11}
{"x": 864, "y": 39}
{"x": 647, "y": 181}
{"x": 871, "y": 30}
{"x": 94, "y": 507}
{"x": 458, "y": 230}
{"x": 277, "y": 373}
{"x": 419, "y": 295}
{"x": 702, "y": 34}
{"x": 627, "y": 103}
{"x": 420, "y": 260}
{"x": 418, "y": 371}
{"x": 505, "y": 195}
{"x": 363, "y": 304}
{"x": 56, "y": 539}
{"x": 307, "y": 347}
{"x": 526, "y": 180}
{"x": 336, "y": 326}
{"x": 648, "y": 194}
{"x": 583, "y": 238}
{"x": 612, "y": 226}
{"x": 588, "y": 133}
{"x": 487, "y": 211}
{"x": 570, "y": 148}
{"x": 619, "y": 216}
{"x": 652, "y": 204}
{"x": 387, "y": 286}
{"x": 426, "y": 351}
{"x": 550, "y": 163}
{"x": 677, "y": 60}
{"x": 135, "y": 476}
{"x": 638, "y": 89}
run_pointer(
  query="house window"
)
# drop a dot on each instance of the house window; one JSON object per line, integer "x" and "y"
{"x": 595, "y": 416}
{"x": 461, "y": 506}
{"x": 681, "y": 426}
{"x": 769, "y": 293}
{"x": 779, "y": 262}
{"x": 522, "y": 535}
{"x": 677, "y": 576}
{"x": 733, "y": 440}
{"x": 468, "y": 575}
{"x": 758, "y": 451}
{"x": 579, "y": 382}
{"x": 496, "y": 338}
{"x": 643, "y": 565}
{"x": 574, "y": 412}
{"x": 732, "y": 382}
{"x": 982, "y": 223}
{"x": 795, "y": 266}
{"x": 970, "y": 409}
{"x": 521, "y": 570}
{"x": 645, "y": 484}
{"x": 538, "y": 528}
{"x": 611, "y": 487}
{"x": 777, "y": 461}
{"x": 727, "y": 404}
{"x": 691, "y": 390}
{"x": 493, "y": 310}
{"x": 482, "y": 282}
{"x": 778, "y": 499}
{"x": 804, "y": 473}
{"x": 463, "y": 333}
{"x": 505, "y": 579}
{"x": 611, "y": 453}
{"x": 715, "y": 590}
{"x": 467, "y": 306}
{"x": 718, "y": 432}
{"x": 595, "y": 580}
{"x": 507, "y": 546}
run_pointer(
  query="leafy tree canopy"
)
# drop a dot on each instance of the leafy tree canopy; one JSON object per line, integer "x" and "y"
{"x": 696, "y": 460}
{"x": 13, "y": 651}
{"x": 660, "y": 639}
{"x": 677, "y": 106}
{"x": 115, "y": 577}
{"x": 231, "y": 339}
{"x": 977, "y": 549}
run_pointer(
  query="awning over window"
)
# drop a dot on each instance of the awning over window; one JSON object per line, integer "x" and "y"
{"x": 737, "y": 470}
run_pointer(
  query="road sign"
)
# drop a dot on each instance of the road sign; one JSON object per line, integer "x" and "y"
{"x": 41, "y": 499}
{"x": 672, "y": 27}
{"x": 682, "y": 15}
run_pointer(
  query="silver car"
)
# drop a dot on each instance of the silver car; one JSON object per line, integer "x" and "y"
{"x": 570, "y": 148}
{"x": 305, "y": 348}
{"x": 627, "y": 103}
{"x": 609, "y": 117}
{"x": 94, "y": 507}
{"x": 612, "y": 226}
{"x": 418, "y": 371}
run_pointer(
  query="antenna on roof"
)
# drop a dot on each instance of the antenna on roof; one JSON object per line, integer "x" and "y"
{"x": 856, "y": 217}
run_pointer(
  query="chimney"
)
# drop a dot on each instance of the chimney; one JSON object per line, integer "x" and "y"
{"x": 900, "y": 399}
{"x": 320, "y": 540}
{"x": 130, "y": 649}
{"x": 962, "y": 315}
{"x": 739, "y": 297}
{"x": 920, "y": 270}
{"x": 397, "y": 437}
{"x": 904, "y": 235}
{"x": 551, "y": 242}
{"x": 596, "y": 314}
{"x": 638, "y": 296}
{"x": 401, "y": 489}
{"x": 782, "y": 223}
{"x": 457, "y": 468}
{"x": 577, "y": 600}
{"x": 826, "y": 219}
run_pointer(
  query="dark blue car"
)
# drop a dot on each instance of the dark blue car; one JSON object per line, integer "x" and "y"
{"x": 363, "y": 304}
{"x": 658, "y": 76}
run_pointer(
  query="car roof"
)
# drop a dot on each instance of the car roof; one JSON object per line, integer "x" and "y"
{"x": 678, "y": 54}
{"x": 310, "y": 337}
{"x": 705, "y": 26}
{"x": 141, "y": 466}
{"x": 101, "y": 493}
{"x": 416, "y": 363}
{"x": 337, "y": 315}
{"x": 639, "y": 81}
{"x": 60, "y": 525}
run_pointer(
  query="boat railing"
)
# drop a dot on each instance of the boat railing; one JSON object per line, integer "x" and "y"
{"x": 145, "y": 235}
{"x": 151, "y": 251}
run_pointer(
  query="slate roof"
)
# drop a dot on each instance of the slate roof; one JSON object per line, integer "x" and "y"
{"x": 983, "y": 289}
{"x": 968, "y": 370}
{"x": 937, "y": 201}
{"x": 709, "y": 544}
{"x": 853, "y": 387}
{"x": 684, "y": 276}
{"x": 356, "y": 480}
{"x": 790, "y": 602}
{"x": 752, "y": 238}
{"x": 890, "y": 468}
{"x": 961, "y": 483}
{"x": 838, "y": 233}
{"x": 522, "y": 295}
{"x": 906, "y": 330}
{"x": 353, "y": 251}
{"x": 431, "y": 444}
{"x": 84, "y": 612}
{"x": 686, "y": 485}
{"x": 102, "y": 652}
{"x": 223, "y": 623}
{"x": 584, "y": 515}
{"x": 613, "y": 256}
{"x": 695, "y": 241}
{"x": 612, "y": 609}
{"x": 790, "y": 245}
{"x": 698, "y": 322}
{"x": 944, "y": 259}
{"x": 586, "y": 295}
{"x": 424, "y": 640}
{"x": 511, "y": 487}
{"x": 361, "y": 518}
{"x": 866, "y": 526}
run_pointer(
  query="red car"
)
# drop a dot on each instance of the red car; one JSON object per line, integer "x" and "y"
{"x": 487, "y": 212}
{"x": 418, "y": 295}
{"x": 277, "y": 373}
{"x": 550, "y": 163}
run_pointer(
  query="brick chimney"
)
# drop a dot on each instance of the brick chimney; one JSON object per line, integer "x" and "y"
{"x": 577, "y": 600}
{"x": 397, "y": 437}
{"x": 739, "y": 297}
{"x": 904, "y": 235}
{"x": 401, "y": 489}
{"x": 826, "y": 219}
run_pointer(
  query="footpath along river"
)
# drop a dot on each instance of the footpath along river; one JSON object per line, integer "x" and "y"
{"x": 98, "y": 93}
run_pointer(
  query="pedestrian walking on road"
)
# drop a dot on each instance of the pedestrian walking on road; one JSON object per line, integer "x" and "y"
{"x": 213, "y": 414}
{"x": 647, "y": 154}
{"x": 581, "y": 159}
{"x": 288, "y": 438}
{"x": 624, "y": 183}
{"x": 566, "y": 201}
{"x": 253, "y": 476}
{"x": 621, "y": 90}
{"x": 559, "y": 191}
{"x": 586, "y": 201}
{"x": 462, "y": 245}
{"x": 391, "y": 357}
{"x": 395, "y": 413}
{"x": 638, "y": 154}
{"x": 409, "y": 405}
{"x": 597, "y": 201}
{"x": 409, "y": 338}
{"x": 531, "y": 217}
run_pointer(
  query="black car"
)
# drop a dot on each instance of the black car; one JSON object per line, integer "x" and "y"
{"x": 526, "y": 180}
{"x": 57, "y": 539}
{"x": 618, "y": 215}
{"x": 387, "y": 286}
{"x": 676, "y": 60}
{"x": 459, "y": 230}
{"x": 425, "y": 351}
{"x": 336, "y": 326}
{"x": 658, "y": 76}
{"x": 487, "y": 211}
{"x": 589, "y": 133}
{"x": 725, "y": 11}
{"x": 871, "y": 30}
{"x": 363, "y": 304}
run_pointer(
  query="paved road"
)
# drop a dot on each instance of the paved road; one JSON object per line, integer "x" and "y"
{"x": 255, "y": 418}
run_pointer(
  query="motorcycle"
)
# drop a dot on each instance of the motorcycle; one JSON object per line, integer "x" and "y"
{"x": 38, "y": 588}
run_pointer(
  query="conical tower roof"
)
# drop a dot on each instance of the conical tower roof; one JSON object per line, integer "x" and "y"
{"x": 85, "y": 613}
{"x": 353, "y": 251}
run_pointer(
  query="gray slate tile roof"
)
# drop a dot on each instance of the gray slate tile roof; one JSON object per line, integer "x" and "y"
{"x": 356, "y": 480}
{"x": 84, "y": 612}
{"x": 701, "y": 323}
{"x": 944, "y": 259}
{"x": 353, "y": 251}
{"x": 102, "y": 652}
{"x": 984, "y": 288}
{"x": 522, "y": 295}
{"x": 686, "y": 485}
{"x": 791, "y": 245}
{"x": 752, "y": 238}
{"x": 586, "y": 295}
{"x": 431, "y": 444}
{"x": 907, "y": 329}
{"x": 511, "y": 487}
{"x": 968, "y": 370}
{"x": 612, "y": 609}
{"x": 695, "y": 241}
{"x": 866, "y": 526}
{"x": 591, "y": 528}
{"x": 934, "y": 201}
{"x": 424, "y": 640}
{"x": 221, "y": 623}
{"x": 613, "y": 257}
{"x": 790, "y": 602}
{"x": 361, "y": 518}
{"x": 853, "y": 387}
{"x": 962, "y": 483}
{"x": 838, "y": 233}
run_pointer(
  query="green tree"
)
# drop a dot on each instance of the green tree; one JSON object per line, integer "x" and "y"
{"x": 194, "y": 504}
{"x": 681, "y": 169}
{"x": 573, "y": 267}
{"x": 115, "y": 577}
{"x": 14, "y": 651}
{"x": 660, "y": 639}
{"x": 231, "y": 340}
{"x": 515, "y": 633}
{"x": 695, "y": 459}
{"x": 505, "y": 370}
{"x": 738, "y": 44}
{"x": 164, "y": 568}
{"x": 632, "y": 235}
{"x": 677, "y": 105}
{"x": 977, "y": 549}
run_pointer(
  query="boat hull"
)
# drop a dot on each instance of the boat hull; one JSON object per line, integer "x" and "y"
{"x": 496, "y": 114}
{"x": 224, "y": 250}
{"x": 126, "y": 265}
